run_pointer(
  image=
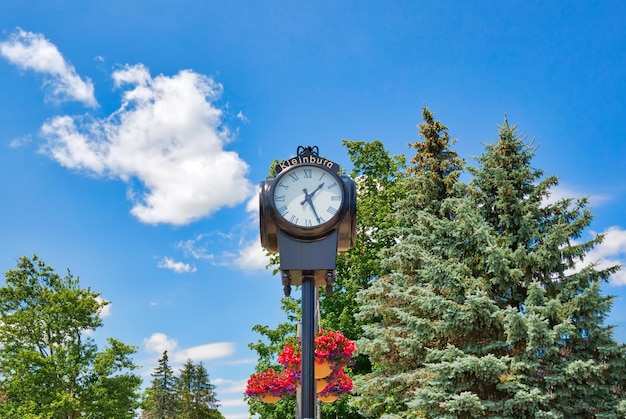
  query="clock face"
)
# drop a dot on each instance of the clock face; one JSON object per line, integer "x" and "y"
{"x": 308, "y": 196}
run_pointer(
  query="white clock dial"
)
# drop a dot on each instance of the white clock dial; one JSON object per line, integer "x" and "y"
{"x": 308, "y": 196}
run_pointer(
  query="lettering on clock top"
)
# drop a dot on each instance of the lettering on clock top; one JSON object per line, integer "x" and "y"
{"x": 304, "y": 159}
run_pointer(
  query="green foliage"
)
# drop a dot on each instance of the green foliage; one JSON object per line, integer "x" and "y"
{"x": 161, "y": 400}
{"x": 49, "y": 366}
{"x": 396, "y": 310}
{"x": 196, "y": 393}
{"x": 267, "y": 349}
{"x": 483, "y": 313}
{"x": 467, "y": 298}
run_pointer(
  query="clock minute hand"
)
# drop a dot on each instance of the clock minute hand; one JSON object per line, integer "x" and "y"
{"x": 307, "y": 198}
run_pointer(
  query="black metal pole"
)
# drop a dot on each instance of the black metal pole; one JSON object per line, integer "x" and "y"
{"x": 308, "y": 345}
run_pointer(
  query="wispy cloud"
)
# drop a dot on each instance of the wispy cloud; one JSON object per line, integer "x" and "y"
{"x": 167, "y": 139}
{"x": 157, "y": 343}
{"x": 239, "y": 249}
{"x": 560, "y": 192}
{"x": 31, "y": 51}
{"x": 178, "y": 267}
{"x": 236, "y": 252}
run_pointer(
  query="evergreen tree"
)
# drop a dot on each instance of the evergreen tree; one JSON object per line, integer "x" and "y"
{"x": 483, "y": 314}
{"x": 196, "y": 393}
{"x": 49, "y": 366}
{"x": 161, "y": 400}
{"x": 399, "y": 330}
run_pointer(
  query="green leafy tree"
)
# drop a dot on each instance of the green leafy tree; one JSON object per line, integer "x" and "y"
{"x": 196, "y": 393}
{"x": 160, "y": 399}
{"x": 49, "y": 366}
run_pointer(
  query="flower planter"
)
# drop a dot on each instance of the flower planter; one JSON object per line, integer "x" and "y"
{"x": 327, "y": 398}
{"x": 322, "y": 369}
{"x": 269, "y": 398}
{"x": 321, "y": 384}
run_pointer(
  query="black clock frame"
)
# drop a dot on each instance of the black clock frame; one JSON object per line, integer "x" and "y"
{"x": 303, "y": 231}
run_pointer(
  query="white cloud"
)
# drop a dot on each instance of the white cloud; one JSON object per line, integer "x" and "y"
{"x": 237, "y": 415}
{"x": 31, "y": 51}
{"x": 231, "y": 386}
{"x": 559, "y": 192}
{"x": 159, "y": 342}
{"x": 167, "y": 135}
{"x": 611, "y": 252}
{"x": 242, "y": 117}
{"x": 242, "y": 252}
{"x": 251, "y": 257}
{"x": 247, "y": 256}
{"x": 204, "y": 352}
{"x": 105, "y": 311}
{"x": 178, "y": 267}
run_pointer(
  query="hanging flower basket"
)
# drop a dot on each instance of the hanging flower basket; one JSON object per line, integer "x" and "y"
{"x": 320, "y": 384}
{"x": 291, "y": 355}
{"x": 270, "y": 385}
{"x": 322, "y": 368}
{"x": 269, "y": 398}
{"x": 339, "y": 384}
{"x": 334, "y": 347}
{"x": 327, "y": 398}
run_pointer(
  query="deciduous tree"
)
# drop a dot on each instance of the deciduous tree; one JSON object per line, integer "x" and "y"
{"x": 49, "y": 366}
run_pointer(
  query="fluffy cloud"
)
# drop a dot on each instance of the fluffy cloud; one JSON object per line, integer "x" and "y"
{"x": 167, "y": 134}
{"x": 159, "y": 342}
{"x": 167, "y": 138}
{"x": 178, "y": 267}
{"x": 30, "y": 51}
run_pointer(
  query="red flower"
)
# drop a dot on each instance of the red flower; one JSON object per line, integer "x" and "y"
{"x": 270, "y": 382}
{"x": 334, "y": 346}
{"x": 290, "y": 356}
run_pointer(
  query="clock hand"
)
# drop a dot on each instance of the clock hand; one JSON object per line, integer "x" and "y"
{"x": 307, "y": 198}
{"x": 316, "y": 189}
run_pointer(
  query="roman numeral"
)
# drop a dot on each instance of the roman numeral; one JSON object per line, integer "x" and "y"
{"x": 332, "y": 185}
{"x": 283, "y": 210}
{"x": 293, "y": 176}
{"x": 308, "y": 173}
{"x": 281, "y": 198}
{"x": 308, "y": 222}
{"x": 293, "y": 219}
{"x": 283, "y": 186}
{"x": 332, "y": 210}
{"x": 323, "y": 174}
{"x": 335, "y": 198}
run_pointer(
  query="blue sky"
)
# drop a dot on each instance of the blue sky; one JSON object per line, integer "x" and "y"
{"x": 134, "y": 133}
